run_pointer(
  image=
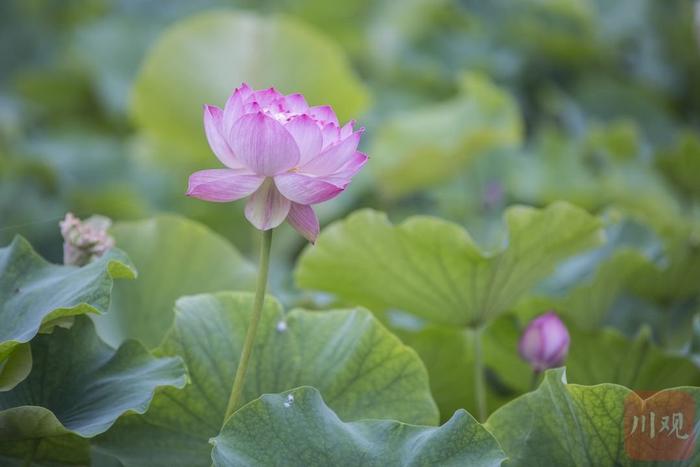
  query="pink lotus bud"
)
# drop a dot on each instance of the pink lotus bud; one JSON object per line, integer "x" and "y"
{"x": 84, "y": 240}
{"x": 545, "y": 342}
{"x": 280, "y": 153}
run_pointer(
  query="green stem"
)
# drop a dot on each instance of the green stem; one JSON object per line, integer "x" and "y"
{"x": 238, "y": 381}
{"x": 479, "y": 389}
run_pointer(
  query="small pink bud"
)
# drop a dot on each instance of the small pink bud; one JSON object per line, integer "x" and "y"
{"x": 545, "y": 342}
{"x": 85, "y": 240}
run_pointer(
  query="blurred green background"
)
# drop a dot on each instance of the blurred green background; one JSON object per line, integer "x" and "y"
{"x": 469, "y": 106}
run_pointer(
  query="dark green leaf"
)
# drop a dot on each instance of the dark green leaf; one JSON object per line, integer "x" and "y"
{"x": 77, "y": 388}
{"x": 34, "y": 292}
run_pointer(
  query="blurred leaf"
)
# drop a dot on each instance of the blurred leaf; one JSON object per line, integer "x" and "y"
{"x": 77, "y": 170}
{"x": 16, "y": 367}
{"x": 174, "y": 257}
{"x": 419, "y": 148}
{"x": 201, "y": 60}
{"x": 297, "y": 428}
{"x": 617, "y": 140}
{"x": 34, "y": 292}
{"x": 123, "y": 39}
{"x": 553, "y": 168}
{"x": 568, "y": 424}
{"x": 116, "y": 201}
{"x": 29, "y": 190}
{"x": 695, "y": 341}
{"x": 362, "y": 370}
{"x": 675, "y": 275}
{"x": 77, "y": 389}
{"x": 81, "y": 158}
{"x": 56, "y": 94}
{"x": 343, "y": 21}
{"x": 606, "y": 97}
{"x": 448, "y": 353}
{"x": 433, "y": 269}
{"x": 606, "y": 356}
{"x": 681, "y": 165}
{"x": 550, "y": 30}
{"x": 589, "y": 302}
{"x": 404, "y": 53}
{"x": 675, "y": 27}
{"x": 591, "y": 174}
{"x": 639, "y": 277}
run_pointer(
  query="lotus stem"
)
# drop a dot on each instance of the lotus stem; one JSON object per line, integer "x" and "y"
{"x": 237, "y": 388}
{"x": 479, "y": 389}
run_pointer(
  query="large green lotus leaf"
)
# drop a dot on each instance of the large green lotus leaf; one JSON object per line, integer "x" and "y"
{"x": 297, "y": 428}
{"x": 433, "y": 269}
{"x": 201, "y": 59}
{"x": 175, "y": 257}
{"x": 421, "y": 147}
{"x": 569, "y": 424}
{"x": 362, "y": 370}
{"x": 34, "y": 292}
{"x": 77, "y": 388}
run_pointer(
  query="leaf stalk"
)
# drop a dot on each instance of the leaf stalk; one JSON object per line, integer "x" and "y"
{"x": 237, "y": 388}
{"x": 479, "y": 388}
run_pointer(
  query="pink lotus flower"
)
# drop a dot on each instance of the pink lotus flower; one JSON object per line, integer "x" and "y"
{"x": 283, "y": 154}
{"x": 545, "y": 342}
